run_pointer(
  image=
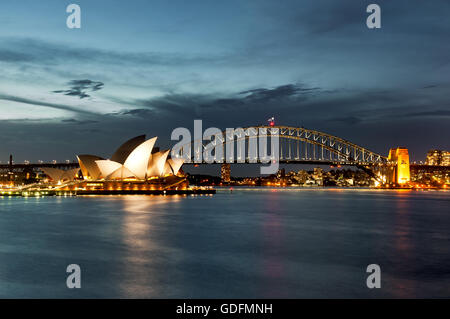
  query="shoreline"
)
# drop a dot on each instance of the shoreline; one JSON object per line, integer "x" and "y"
{"x": 60, "y": 193}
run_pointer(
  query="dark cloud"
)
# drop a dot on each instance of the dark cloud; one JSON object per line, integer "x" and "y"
{"x": 176, "y": 104}
{"x": 350, "y": 107}
{"x": 436, "y": 113}
{"x": 19, "y": 99}
{"x": 280, "y": 92}
{"x": 80, "y": 87}
{"x": 347, "y": 17}
{"x": 328, "y": 16}
{"x": 202, "y": 104}
{"x": 79, "y": 122}
{"x": 350, "y": 120}
{"x": 136, "y": 112}
{"x": 48, "y": 53}
{"x": 14, "y": 56}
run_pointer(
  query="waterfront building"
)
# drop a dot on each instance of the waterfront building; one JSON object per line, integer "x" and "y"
{"x": 136, "y": 159}
{"x": 434, "y": 157}
{"x": 135, "y": 165}
{"x": 89, "y": 167}
{"x": 59, "y": 175}
{"x": 301, "y": 177}
{"x": 445, "y": 159}
{"x": 225, "y": 172}
{"x": 438, "y": 157}
{"x": 281, "y": 173}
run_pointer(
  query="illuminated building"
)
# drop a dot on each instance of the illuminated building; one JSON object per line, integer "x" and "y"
{"x": 157, "y": 165}
{"x": 131, "y": 167}
{"x": 281, "y": 173}
{"x": 137, "y": 167}
{"x": 445, "y": 160}
{"x": 225, "y": 172}
{"x": 121, "y": 154}
{"x": 438, "y": 157}
{"x": 135, "y": 160}
{"x": 301, "y": 177}
{"x": 318, "y": 175}
{"x": 318, "y": 172}
{"x": 400, "y": 156}
{"x": 60, "y": 175}
{"x": 89, "y": 167}
{"x": 175, "y": 164}
{"x": 434, "y": 157}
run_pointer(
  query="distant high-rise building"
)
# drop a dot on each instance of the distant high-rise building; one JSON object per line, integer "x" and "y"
{"x": 438, "y": 157}
{"x": 225, "y": 172}
{"x": 434, "y": 157}
{"x": 318, "y": 171}
{"x": 445, "y": 161}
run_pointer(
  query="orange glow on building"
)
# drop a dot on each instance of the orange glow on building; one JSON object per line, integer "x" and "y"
{"x": 402, "y": 172}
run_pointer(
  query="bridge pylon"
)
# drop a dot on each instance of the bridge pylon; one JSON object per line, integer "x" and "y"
{"x": 401, "y": 173}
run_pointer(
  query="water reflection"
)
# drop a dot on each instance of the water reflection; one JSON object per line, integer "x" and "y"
{"x": 273, "y": 268}
{"x": 404, "y": 258}
{"x": 141, "y": 213}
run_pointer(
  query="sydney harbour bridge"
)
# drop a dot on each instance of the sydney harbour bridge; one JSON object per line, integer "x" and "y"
{"x": 297, "y": 145}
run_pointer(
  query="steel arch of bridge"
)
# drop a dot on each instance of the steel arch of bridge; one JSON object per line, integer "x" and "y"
{"x": 311, "y": 146}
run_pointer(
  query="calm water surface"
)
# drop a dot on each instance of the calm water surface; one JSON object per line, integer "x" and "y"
{"x": 252, "y": 243}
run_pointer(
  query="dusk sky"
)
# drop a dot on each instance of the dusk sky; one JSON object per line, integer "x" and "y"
{"x": 147, "y": 67}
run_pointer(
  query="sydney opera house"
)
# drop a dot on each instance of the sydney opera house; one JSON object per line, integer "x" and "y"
{"x": 137, "y": 165}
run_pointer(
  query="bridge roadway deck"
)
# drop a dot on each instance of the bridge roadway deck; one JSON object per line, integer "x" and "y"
{"x": 283, "y": 161}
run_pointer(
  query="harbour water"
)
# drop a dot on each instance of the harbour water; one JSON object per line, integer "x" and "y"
{"x": 248, "y": 243}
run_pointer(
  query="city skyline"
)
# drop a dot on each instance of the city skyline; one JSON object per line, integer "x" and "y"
{"x": 150, "y": 68}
